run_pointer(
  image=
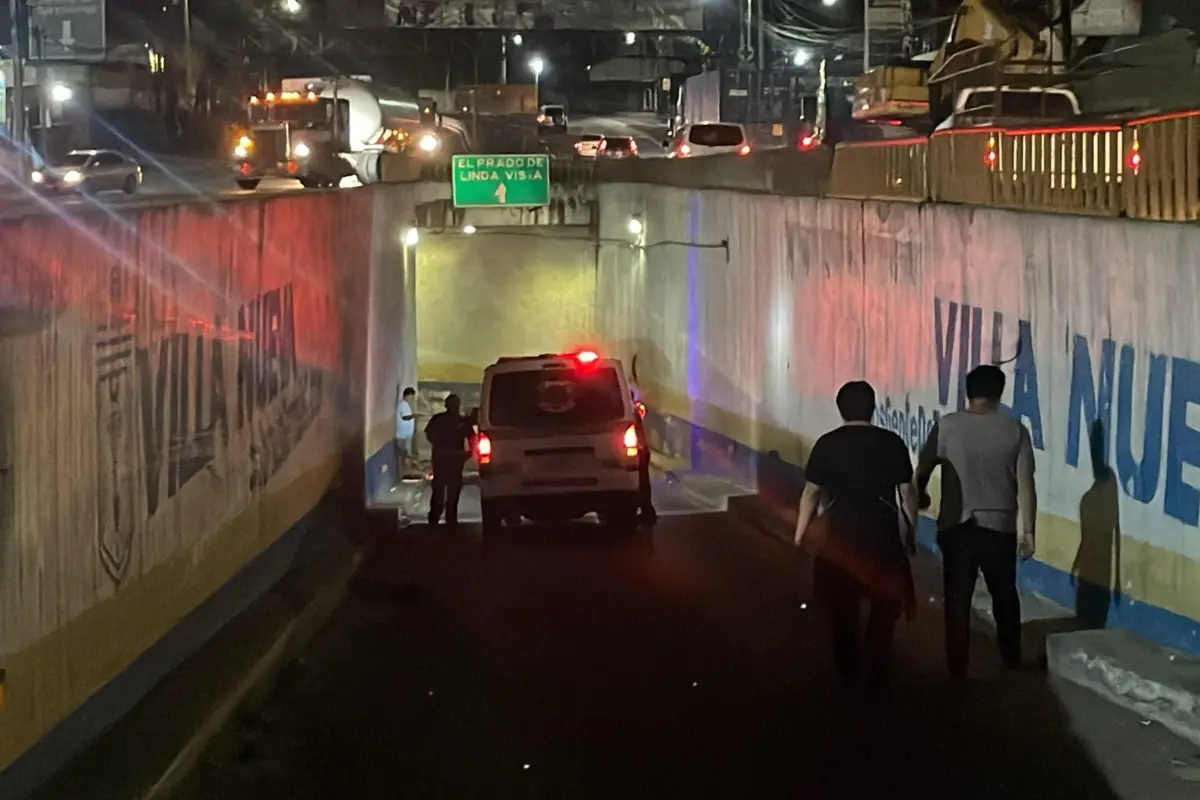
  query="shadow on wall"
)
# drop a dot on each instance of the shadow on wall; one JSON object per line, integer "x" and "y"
{"x": 1096, "y": 571}
{"x": 691, "y": 441}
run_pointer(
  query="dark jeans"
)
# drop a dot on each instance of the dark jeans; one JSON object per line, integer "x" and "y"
{"x": 967, "y": 549}
{"x": 844, "y": 596}
{"x": 645, "y": 500}
{"x": 447, "y": 486}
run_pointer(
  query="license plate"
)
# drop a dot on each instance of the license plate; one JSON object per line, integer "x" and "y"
{"x": 557, "y": 465}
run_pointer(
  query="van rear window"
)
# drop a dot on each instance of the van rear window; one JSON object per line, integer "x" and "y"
{"x": 715, "y": 135}
{"x": 554, "y": 398}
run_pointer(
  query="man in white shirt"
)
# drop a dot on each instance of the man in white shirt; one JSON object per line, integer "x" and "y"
{"x": 406, "y": 427}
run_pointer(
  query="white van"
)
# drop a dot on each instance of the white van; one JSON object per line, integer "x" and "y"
{"x": 557, "y": 440}
{"x": 708, "y": 139}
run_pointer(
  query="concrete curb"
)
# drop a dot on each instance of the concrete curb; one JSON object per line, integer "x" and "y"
{"x": 1155, "y": 682}
{"x": 257, "y": 681}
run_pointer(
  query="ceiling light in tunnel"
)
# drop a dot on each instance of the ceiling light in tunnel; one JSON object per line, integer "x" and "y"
{"x": 468, "y": 229}
{"x": 635, "y": 226}
{"x": 411, "y": 237}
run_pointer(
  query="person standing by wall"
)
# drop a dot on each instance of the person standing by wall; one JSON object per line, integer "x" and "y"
{"x": 987, "y": 515}
{"x": 860, "y": 470}
{"x": 406, "y": 428}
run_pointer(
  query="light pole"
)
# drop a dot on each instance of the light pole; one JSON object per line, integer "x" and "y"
{"x": 517, "y": 40}
{"x": 537, "y": 65}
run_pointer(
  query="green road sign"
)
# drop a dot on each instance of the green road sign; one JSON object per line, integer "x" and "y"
{"x": 482, "y": 181}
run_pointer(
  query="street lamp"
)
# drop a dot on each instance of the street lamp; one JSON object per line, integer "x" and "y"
{"x": 630, "y": 37}
{"x": 61, "y": 93}
{"x": 537, "y": 65}
{"x": 800, "y": 58}
{"x": 635, "y": 226}
{"x": 411, "y": 237}
{"x": 828, "y": 3}
{"x": 292, "y": 7}
{"x": 518, "y": 39}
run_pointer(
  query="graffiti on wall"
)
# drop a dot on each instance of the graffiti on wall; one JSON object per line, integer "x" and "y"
{"x": 206, "y": 397}
{"x": 1141, "y": 403}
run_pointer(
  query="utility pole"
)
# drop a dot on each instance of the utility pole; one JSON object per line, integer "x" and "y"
{"x": 16, "y": 124}
{"x": 189, "y": 91}
{"x": 866, "y": 36}
{"x": 43, "y": 80}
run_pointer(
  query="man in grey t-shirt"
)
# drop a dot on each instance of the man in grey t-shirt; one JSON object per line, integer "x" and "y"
{"x": 989, "y": 505}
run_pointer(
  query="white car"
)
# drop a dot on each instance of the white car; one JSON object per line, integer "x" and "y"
{"x": 588, "y": 145}
{"x": 708, "y": 139}
{"x": 557, "y": 440}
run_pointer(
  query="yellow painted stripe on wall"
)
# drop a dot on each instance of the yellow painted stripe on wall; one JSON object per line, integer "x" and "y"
{"x": 52, "y": 677}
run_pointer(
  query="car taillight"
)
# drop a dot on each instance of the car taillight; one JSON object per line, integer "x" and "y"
{"x": 745, "y": 151}
{"x": 483, "y": 449}
{"x": 684, "y": 150}
{"x": 587, "y": 357}
{"x": 630, "y": 440}
{"x": 806, "y": 142}
{"x": 632, "y": 146}
{"x": 602, "y": 146}
{"x": 641, "y": 408}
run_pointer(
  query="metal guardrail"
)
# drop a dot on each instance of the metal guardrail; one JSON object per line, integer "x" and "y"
{"x": 1146, "y": 168}
{"x": 884, "y": 170}
{"x": 1162, "y": 167}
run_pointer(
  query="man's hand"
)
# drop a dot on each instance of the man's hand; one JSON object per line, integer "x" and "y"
{"x": 1026, "y": 545}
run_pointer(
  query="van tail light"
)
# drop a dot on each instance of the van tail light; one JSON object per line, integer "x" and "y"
{"x": 745, "y": 151}
{"x": 808, "y": 142}
{"x": 483, "y": 449}
{"x": 641, "y": 408}
{"x": 684, "y": 151}
{"x": 630, "y": 440}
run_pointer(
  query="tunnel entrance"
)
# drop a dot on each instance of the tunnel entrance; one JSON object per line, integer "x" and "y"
{"x": 464, "y": 300}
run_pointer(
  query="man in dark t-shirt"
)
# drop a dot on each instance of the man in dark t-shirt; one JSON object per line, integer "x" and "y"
{"x": 449, "y": 434}
{"x": 856, "y": 472}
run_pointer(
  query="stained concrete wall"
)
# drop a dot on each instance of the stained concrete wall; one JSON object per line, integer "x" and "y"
{"x": 818, "y": 292}
{"x": 177, "y": 386}
{"x": 508, "y": 291}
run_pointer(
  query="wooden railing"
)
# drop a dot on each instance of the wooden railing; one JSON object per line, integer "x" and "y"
{"x": 1144, "y": 169}
{"x": 1162, "y": 167}
{"x": 891, "y": 170}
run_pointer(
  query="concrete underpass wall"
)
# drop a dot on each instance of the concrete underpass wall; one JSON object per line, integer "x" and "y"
{"x": 509, "y": 291}
{"x": 818, "y": 292}
{"x": 177, "y": 387}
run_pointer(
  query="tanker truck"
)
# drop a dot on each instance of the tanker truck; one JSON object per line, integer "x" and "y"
{"x": 324, "y": 129}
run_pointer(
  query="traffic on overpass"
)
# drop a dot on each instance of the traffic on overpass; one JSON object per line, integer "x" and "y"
{"x": 568, "y": 401}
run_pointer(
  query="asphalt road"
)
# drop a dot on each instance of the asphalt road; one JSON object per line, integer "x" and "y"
{"x": 646, "y": 130}
{"x": 568, "y": 663}
{"x": 166, "y": 180}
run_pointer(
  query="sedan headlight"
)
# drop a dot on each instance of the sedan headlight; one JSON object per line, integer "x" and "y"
{"x": 38, "y": 177}
{"x": 300, "y": 150}
{"x": 72, "y": 176}
{"x": 428, "y": 143}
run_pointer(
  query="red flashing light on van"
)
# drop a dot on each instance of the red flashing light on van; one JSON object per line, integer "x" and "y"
{"x": 587, "y": 357}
